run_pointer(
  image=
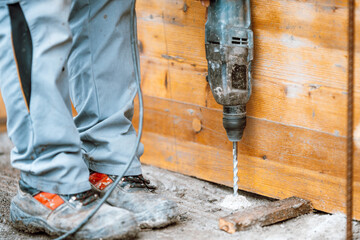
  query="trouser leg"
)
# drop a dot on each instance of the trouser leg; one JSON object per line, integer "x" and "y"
{"x": 102, "y": 84}
{"x": 34, "y": 87}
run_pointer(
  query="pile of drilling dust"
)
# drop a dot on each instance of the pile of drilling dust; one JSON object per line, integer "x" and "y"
{"x": 235, "y": 202}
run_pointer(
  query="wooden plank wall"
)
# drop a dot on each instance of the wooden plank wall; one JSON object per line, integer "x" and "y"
{"x": 294, "y": 143}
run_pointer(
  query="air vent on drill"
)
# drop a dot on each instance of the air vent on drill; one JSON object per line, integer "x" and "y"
{"x": 239, "y": 41}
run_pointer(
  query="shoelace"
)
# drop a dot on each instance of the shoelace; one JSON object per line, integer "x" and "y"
{"x": 136, "y": 182}
{"x": 83, "y": 198}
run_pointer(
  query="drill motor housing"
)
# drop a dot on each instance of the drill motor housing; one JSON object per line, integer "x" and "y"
{"x": 229, "y": 52}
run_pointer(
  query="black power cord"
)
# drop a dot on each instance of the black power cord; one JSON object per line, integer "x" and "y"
{"x": 135, "y": 54}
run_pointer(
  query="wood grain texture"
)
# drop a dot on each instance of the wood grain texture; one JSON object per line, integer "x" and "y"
{"x": 265, "y": 215}
{"x": 294, "y": 143}
{"x": 310, "y": 75}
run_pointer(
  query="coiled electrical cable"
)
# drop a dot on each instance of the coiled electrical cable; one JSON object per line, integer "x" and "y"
{"x": 135, "y": 54}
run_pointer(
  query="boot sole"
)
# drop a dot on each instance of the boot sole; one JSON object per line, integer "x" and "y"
{"x": 30, "y": 224}
{"x": 161, "y": 218}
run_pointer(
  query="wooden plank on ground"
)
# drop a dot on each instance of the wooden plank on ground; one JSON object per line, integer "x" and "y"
{"x": 265, "y": 215}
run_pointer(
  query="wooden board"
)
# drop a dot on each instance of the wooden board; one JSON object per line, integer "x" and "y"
{"x": 294, "y": 143}
{"x": 265, "y": 215}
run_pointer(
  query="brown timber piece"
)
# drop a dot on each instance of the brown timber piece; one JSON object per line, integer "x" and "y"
{"x": 265, "y": 215}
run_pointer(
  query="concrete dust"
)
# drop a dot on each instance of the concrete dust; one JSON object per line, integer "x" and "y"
{"x": 201, "y": 204}
{"x": 235, "y": 202}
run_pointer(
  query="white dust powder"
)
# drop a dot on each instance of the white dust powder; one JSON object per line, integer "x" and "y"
{"x": 235, "y": 202}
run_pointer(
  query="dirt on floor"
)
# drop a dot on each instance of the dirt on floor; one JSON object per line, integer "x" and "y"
{"x": 201, "y": 204}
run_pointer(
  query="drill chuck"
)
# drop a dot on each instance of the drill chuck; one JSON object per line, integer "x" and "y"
{"x": 234, "y": 121}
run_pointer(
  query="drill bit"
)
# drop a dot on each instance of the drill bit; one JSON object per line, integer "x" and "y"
{"x": 235, "y": 168}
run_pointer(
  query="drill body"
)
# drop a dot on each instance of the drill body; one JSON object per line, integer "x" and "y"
{"x": 229, "y": 52}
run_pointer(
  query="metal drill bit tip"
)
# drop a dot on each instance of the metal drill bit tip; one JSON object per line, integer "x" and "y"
{"x": 235, "y": 169}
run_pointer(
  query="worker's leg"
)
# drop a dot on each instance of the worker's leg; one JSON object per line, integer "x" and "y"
{"x": 47, "y": 144}
{"x": 35, "y": 40}
{"x": 102, "y": 84}
{"x": 103, "y": 88}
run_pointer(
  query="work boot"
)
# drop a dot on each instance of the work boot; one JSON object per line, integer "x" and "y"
{"x": 137, "y": 195}
{"x": 34, "y": 211}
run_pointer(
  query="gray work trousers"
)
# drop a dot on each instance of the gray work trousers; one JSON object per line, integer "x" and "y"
{"x": 82, "y": 49}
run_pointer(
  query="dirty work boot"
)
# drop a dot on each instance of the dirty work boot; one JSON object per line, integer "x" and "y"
{"x": 34, "y": 211}
{"x": 136, "y": 194}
